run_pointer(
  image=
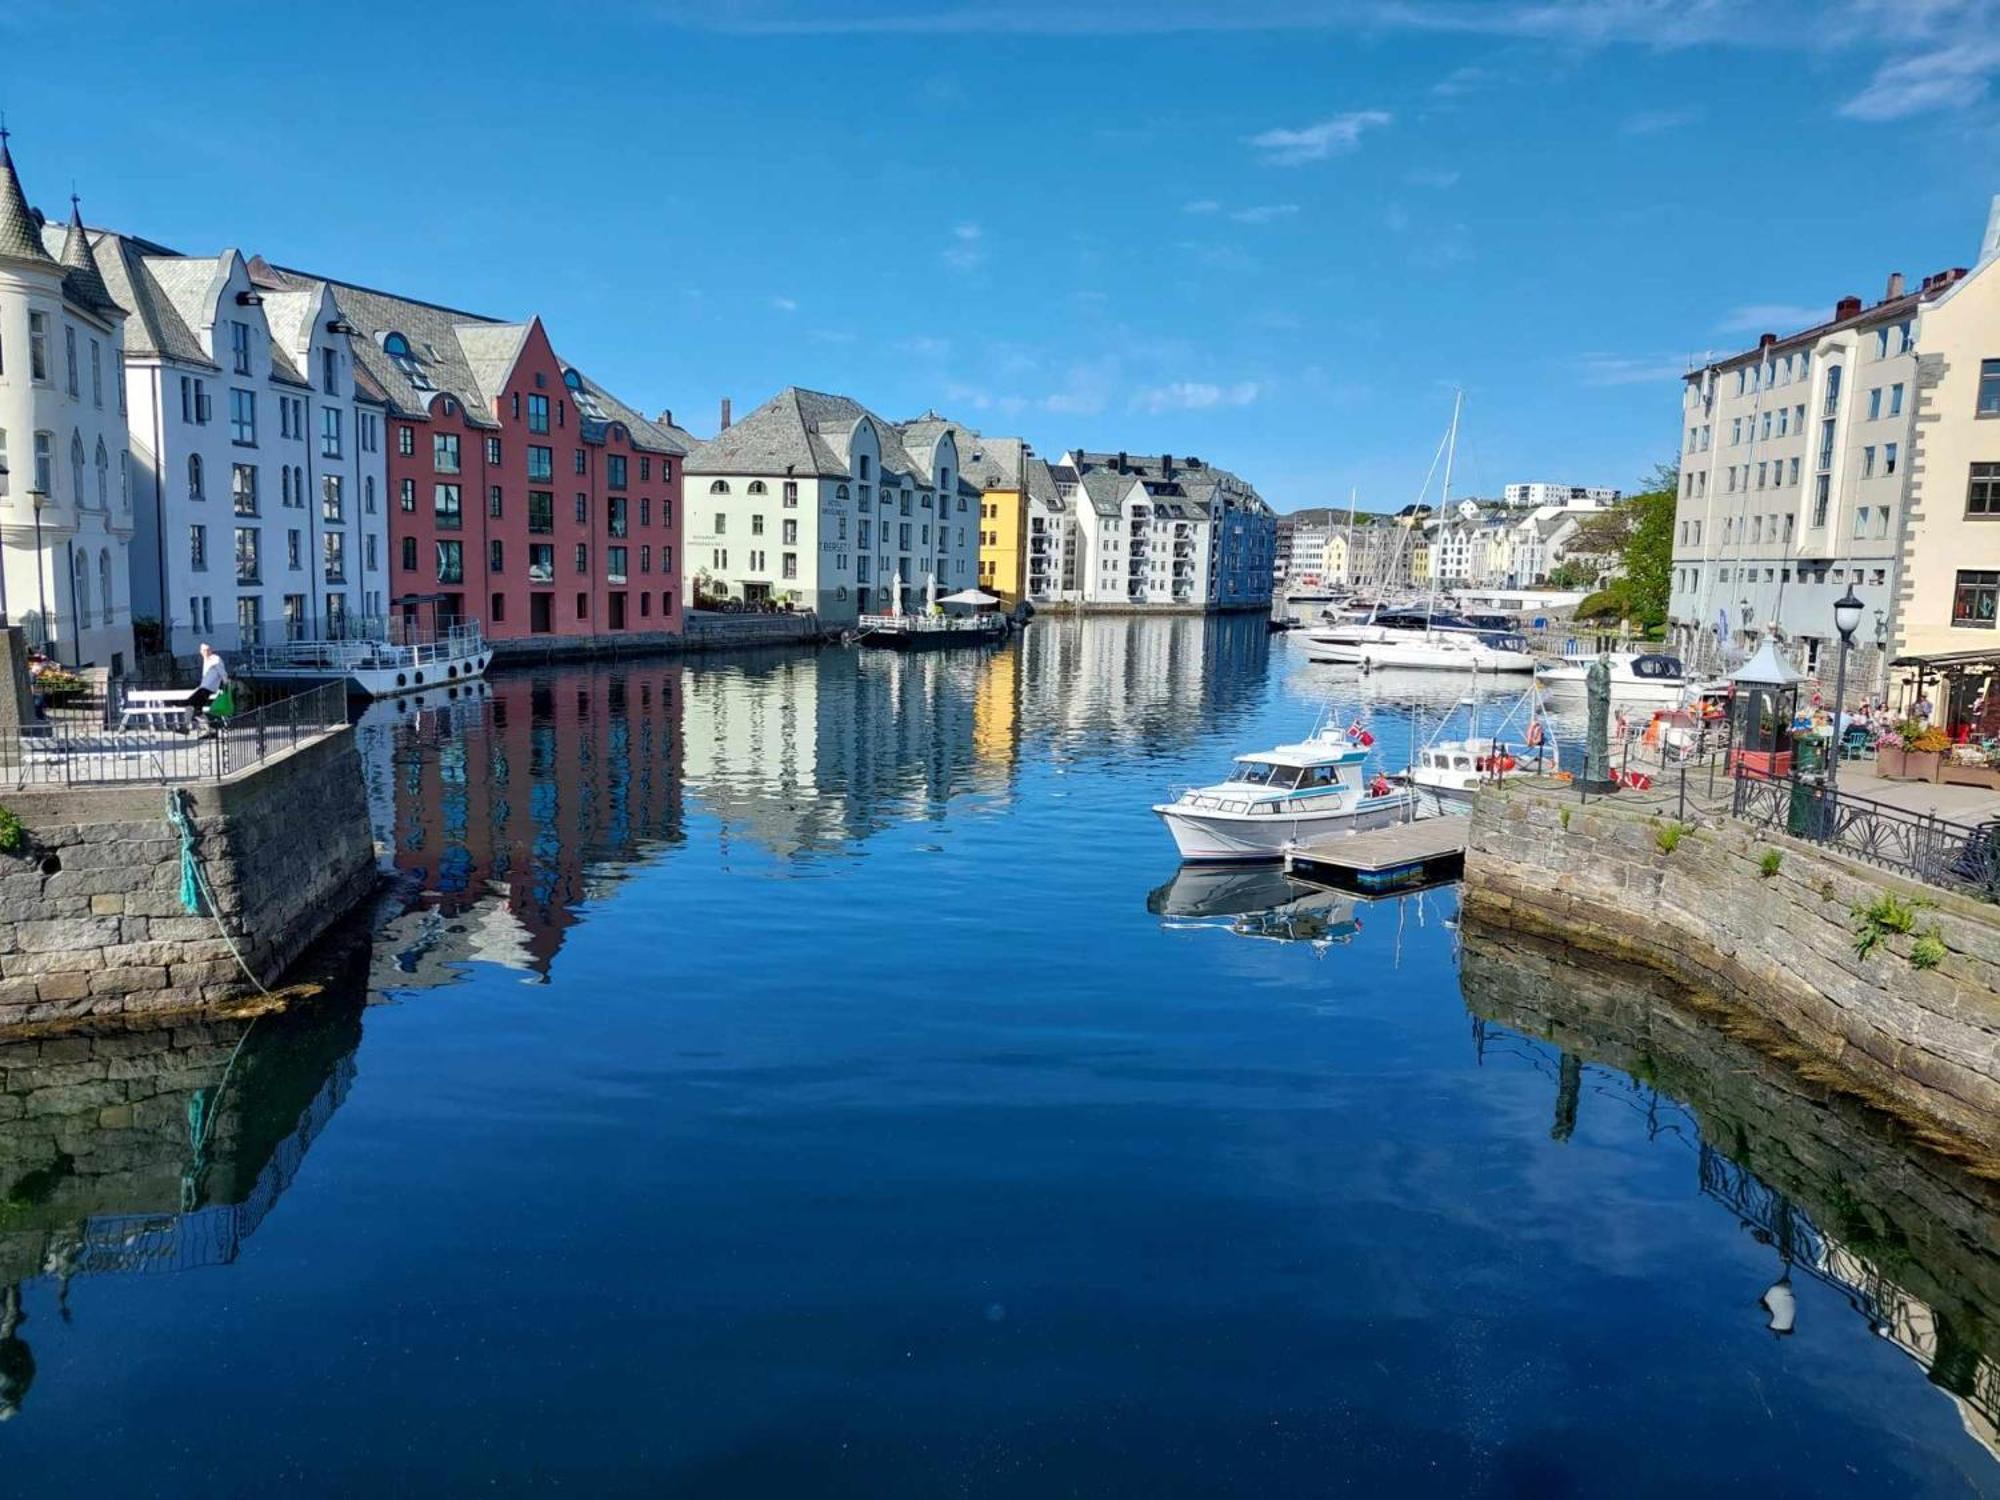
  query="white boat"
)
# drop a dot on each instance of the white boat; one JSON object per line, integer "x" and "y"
{"x": 1454, "y": 770}
{"x": 1651, "y": 677}
{"x": 1276, "y": 797}
{"x": 381, "y": 665}
{"x": 1425, "y": 650}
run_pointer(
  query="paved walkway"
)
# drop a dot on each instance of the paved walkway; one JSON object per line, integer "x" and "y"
{"x": 1961, "y": 804}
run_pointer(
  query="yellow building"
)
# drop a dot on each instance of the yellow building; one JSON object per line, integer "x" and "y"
{"x": 1420, "y": 560}
{"x": 1333, "y": 566}
{"x": 999, "y": 466}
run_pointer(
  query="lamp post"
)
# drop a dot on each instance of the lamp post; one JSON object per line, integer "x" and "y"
{"x": 37, "y": 498}
{"x": 1847, "y": 611}
{"x": 5, "y": 620}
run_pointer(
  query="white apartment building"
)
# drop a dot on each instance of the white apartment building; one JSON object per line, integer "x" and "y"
{"x": 1562, "y": 496}
{"x": 814, "y": 501}
{"x": 1232, "y": 532}
{"x": 65, "y": 492}
{"x": 1794, "y": 463}
{"x": 260, "y": 474}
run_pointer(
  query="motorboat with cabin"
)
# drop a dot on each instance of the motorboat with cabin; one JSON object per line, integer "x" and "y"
{"x": 1452, "y": 771}
{"x": 1636, "y": 677}
{"x": 1274, "y": 798}
{"x": 412, "y": 651}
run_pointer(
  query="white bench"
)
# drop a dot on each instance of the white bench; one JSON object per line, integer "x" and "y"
{"x": 155, "y": 708}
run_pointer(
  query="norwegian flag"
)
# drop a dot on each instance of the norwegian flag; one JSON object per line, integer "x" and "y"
{"x": 1358, "y": 733}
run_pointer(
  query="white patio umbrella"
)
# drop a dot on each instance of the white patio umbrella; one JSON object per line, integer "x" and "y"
{"x": 974, "y": 598}
{"x": 895, "y": 597}
{"x": 930, "y": 592}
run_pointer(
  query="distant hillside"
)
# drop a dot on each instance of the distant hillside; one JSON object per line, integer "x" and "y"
{"x": 1331, "y": 515}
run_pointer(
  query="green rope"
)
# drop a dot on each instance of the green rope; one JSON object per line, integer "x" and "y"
{"x": 196, "y": 893}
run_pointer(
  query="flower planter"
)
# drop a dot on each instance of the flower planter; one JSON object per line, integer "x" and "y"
{"x": 1891, "y": 762}
{"x": 1921, "y": 765}
{"x": 1961, "y": 775}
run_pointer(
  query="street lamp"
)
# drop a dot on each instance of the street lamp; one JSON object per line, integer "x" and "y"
{"x": 1847, "y": 612}
{"x": 37, "y": 498}
{"x": 4, "y": 619}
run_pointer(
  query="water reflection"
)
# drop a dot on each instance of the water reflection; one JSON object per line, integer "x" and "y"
{"x": 1103, "y": 685}
{"x": 157, "y": 1150}
{"x": 1837, "y": 1191}
{"x": 1259, "y": 903}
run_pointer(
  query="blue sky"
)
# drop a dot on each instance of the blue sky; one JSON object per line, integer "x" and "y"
{"x": 1274, "y": 233}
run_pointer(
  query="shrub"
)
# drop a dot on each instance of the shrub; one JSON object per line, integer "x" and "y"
{"x": 1875, "y": 921}
{"x": 1768, "y": 865}
{"x": 1562, "y": 816}
{"x": 13, "y": 833}
{"x": 1669, "y": 838}
{"x": 1928, "y": 951}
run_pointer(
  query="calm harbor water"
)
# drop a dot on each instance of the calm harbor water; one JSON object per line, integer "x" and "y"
{"x": 809, "y": 1074}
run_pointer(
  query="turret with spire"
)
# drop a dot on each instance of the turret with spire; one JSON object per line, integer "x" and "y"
{"x": 81, "y": 278}
{"x": 20, "y": 232}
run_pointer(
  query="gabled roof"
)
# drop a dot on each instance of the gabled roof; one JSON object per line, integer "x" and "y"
{"x": 491, "y": 351}
{"x": 155, "y": 328}
{"x": 803, "y": 433}
{"x": 20, "y": 230}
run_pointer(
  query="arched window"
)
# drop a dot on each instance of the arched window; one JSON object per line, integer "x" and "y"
{"x": 104, "y": 589}
{"x": 720, "y": 487}
{"x": 840, "y": 493}
{"x": 82, "y": 589}
{"x": 125, "y": 480}
{"x": 757, "y": 487}
{"x": 78, "y": 493}
{"x": 395, "y": 346}
{"x": 573, "y": 380}
{"x": 285, "y": 485}
{"x": 103, "y": 476}
{"x": 195, "y": 490}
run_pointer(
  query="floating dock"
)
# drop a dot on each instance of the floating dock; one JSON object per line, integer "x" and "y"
{"x": 1421, "y": 852}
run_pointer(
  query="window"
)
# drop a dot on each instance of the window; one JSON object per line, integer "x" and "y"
{"x": 583, "y": 557}
{"x": 451, "y": 562}
{"x": 541, "y": 563}
{"x": 1867, "y": 461}
{"x": 333, "y": 556}
{"x": 645, "y": 511}
{"x": 239, "y": 346}
{"x": 1989, "y": 388}
{"x": 97, "y": 388}
{"x": 756, "y": 525}
{"x": 1881, "y": 522}
{"x": 368, "y": 494}
{"x": 329, "y": 371}
{"x": 790, "y": 568}
{"x": 406, "y": 494}
{"x": 332, "y": 500}
{"x": 294, "y": 544}
{"x": 498, "y": 612}
{"x": 541, "y": 511}
{"x": 614, "y": 471}
{"x": 445, "y": 506}
{"x": 195, "y": 490}
{"x": 496, "y": 556}
{"x": 494, "y": 501}
{"x": 1982, "y": 496}
{"x": 374, "y": 562}
{"x": 541, "y": 462}
{"x": 329, "y": 432}
{"x": 69, "y": 357}
{"x": 582, "y": 463}
{"x": 243, "y": 417}
{"x": 198, "y": 548}
{"x": 1976, "y": 600}
{"x": 645, "y": 559}
{"x": 444, "y": 452}
{"x": 243, "y": 488}
{"x": 722, "y": 524}
{"x": 1895, "y": 400}
{"x": 790, "y": 535}
{"x": 582, "y": 508}
{"x": 615, "y": 518}
{"x": 719, "y": 487}
{"x": 1820, "y": 499}
{"x": 38, "y": 346}
{"x": 614, "y": 564}
{"x": 406, "y": 441}
{"x": 249, "y": 564}
{"x": 409, "y": 554}
{"x": 538, "y": 413}
{"x": 1888, "y": 458}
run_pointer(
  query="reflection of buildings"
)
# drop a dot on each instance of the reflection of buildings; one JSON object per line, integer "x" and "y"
{"x": 1911, "y": 1241}
{"x": 1121, "y": 680}
{"x": 158, "y": 1150}
{"x": 807, "y": 752}
{"x": 510, "y": 810}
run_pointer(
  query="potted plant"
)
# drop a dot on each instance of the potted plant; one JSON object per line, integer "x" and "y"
{"x": 1972, "y": 766}
{"x": 1923, "y": 752}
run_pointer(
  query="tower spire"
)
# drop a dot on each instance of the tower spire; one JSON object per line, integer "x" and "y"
{"x": 84, "y": 280}
{"x": 20, "y": 235}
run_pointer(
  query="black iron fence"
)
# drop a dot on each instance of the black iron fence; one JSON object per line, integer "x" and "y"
{"x": 1937, "y": 851}
{"x": 164, "y": 742}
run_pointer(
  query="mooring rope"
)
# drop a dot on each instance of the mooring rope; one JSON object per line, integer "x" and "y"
{"x": 195, "y": 889}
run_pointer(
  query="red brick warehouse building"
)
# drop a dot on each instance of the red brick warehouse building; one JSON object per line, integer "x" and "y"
{"x": 520, "y": 492}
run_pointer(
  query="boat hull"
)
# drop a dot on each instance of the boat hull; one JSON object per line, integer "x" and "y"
{"x": 1666, "y": 694}
{"x": 391, "y": 680}
{"x": 928, "y": 640}
{"x": 1206, "y": 836}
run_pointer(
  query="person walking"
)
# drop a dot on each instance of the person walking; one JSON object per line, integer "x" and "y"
{"x": 214, "y": 677}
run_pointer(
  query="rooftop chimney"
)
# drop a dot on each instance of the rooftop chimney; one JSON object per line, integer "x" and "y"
{"x": 1845, "y": 308}
{"x": 666, "y": 418}
{"x": 1895, "y": 287}
{"x": 725, "y": 414}
{"x": 1167, "y": 465}
{"x": 1124, "y": 463}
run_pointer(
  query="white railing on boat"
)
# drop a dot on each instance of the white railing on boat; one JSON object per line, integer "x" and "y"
{"x": 457, "y": 643}
{"x": 984, "y": 623}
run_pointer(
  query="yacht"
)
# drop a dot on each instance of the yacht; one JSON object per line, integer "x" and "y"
{"x": 1274, "y": 798}
{"x": 1437, "y": 646}
{"x": 1651, "y": 677}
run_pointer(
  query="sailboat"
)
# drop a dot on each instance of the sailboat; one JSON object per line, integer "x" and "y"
{"x": 1423, "y": 640}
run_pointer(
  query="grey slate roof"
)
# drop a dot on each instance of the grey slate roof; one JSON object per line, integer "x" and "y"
{"x": 1042, "y": 485}
{"x": 797, "y": 432}
{"x": 20, "y": 232}
{"x": 155, "y": 328}
{"x": 82, "y": 281}
{"x": 1106, "y": 490}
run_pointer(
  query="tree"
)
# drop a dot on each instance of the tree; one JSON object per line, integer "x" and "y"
{"x": 1573, "y": 573}
{"x": 1649, "y": 550}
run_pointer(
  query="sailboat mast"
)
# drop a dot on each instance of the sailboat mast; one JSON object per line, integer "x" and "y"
{"x": 1444, "y": 500}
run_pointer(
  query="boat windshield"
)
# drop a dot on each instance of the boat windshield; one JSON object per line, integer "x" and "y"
{"x": 1263, "y": 773}
{"x": 1657, "y": 666}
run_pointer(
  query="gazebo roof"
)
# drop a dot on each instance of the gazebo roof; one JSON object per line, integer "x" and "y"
{"x": 1767, "y": 668}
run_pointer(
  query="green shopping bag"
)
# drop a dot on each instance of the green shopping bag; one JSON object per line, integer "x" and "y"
{"x": 223, "y": 704}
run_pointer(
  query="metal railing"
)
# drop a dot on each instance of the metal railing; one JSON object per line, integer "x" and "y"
{"x": 77, "y": 751}
{"x": 1923, "y": 846}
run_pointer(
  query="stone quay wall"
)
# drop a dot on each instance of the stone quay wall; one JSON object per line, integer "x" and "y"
{"x": 91, "y": 919}
{"x": 1779, "y": 947}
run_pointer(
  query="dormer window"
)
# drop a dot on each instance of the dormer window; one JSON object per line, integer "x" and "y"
{"x": 585, "y": 402}
{"x": 405, "y": 358}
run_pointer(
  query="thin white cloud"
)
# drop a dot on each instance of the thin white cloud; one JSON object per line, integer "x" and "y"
{"x": 1628, "y": 369}
{"x": 1655, "y": 121}
{"x": 784, "y": 305}
{"x": 1202, "y": 206}
{"x": 1317, "y": 142}
{"x": 1950, "y": 77}
{"x": 1264, "y": 213}
{"x": 967, "y": 251}
{"x": 1460, "y": 81}
{"x": 1195, "y": 395}
{"x": 1773, "y": 317}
